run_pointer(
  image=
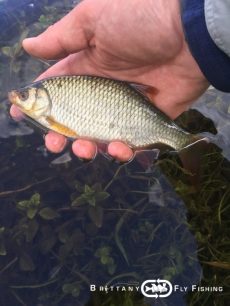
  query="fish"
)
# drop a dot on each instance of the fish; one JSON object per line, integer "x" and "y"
{"x": 99, "y": 109}
{"x": 156, "y": 288}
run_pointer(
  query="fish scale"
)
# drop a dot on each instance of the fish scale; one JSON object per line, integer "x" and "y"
{"x": 105, "y": 110}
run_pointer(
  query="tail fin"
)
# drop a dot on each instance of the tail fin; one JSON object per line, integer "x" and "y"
{"x": 191, "y": 157}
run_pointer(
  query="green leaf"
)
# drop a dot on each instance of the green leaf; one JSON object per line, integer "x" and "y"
{"x": 32, "y": 230}
{"x": 8, "y": 51}
{"x": 110, "y": 261}
{"x": 96, "y": 215}
{"x": 91, "y": 201}
{"x": 26, "y": 263}
{"x": 79, "y": 201}
{"x": 23, "y": 204}
{"x": 31, "y": 205}
{"x": 100, "y": 196}
{"x": 48, "y": 213}
{"x": 111, "y": 269}
{"x": 88, "y": 189}
{"x": 16, "y": 67}
{"x": 31, "y": 212}
{"x": 18, "y": 45}
{"x": 103, "y": 251}
{"x": 35, "y": 199}
{"x": 2, "y": 230}
{"x": 104, "y": 260}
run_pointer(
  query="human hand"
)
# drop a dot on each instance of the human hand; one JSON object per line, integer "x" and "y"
{"x": 138, "y": 41}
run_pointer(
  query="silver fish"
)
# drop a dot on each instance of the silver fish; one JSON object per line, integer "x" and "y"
{"x": 100, "y": 109}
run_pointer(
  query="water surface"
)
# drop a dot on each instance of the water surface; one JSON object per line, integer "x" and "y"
{"x": 66, "y": 225}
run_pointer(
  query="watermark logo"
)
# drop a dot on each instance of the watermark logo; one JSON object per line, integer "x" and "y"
{"x": 155, "y": 288}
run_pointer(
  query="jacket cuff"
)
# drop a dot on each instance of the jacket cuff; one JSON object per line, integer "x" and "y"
{"x": 213, "y": 62}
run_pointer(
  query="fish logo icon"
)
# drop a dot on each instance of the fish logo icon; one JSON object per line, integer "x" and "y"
{"x": 155, "y": 288}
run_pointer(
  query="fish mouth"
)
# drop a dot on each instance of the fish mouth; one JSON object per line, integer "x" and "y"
{"x": 12, "y": 96}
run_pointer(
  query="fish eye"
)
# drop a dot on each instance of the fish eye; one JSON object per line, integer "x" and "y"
{"x": 24, "y": 95}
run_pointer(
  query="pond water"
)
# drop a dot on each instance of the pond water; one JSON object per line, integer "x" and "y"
{"x": 68, "y": 227}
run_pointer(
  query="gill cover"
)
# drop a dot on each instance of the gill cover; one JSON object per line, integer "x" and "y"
{"x": 34, "y": 102}
{"x": 42, "y": 103}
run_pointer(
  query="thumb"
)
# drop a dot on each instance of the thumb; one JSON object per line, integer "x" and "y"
{"x": 69, "y": 35}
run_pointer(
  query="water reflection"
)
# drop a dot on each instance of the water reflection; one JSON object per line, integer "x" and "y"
{"x": 114, "y": 225}
{"x": 65, "y": 224}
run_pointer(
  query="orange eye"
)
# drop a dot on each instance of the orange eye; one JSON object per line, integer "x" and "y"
{"x": 24, "y": 95}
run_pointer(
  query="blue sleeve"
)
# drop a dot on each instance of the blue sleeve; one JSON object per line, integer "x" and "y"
{"x": 213, "y": 62}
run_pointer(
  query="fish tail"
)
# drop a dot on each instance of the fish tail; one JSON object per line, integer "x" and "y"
{"x": 195, "y": 139}
{"x": 191, "y": 156}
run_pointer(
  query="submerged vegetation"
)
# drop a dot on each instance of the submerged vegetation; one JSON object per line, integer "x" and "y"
{"x": 66, "y": 226}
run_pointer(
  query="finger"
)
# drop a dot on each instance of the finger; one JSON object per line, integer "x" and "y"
{"x": 84, "y": 149}
{"x": 55, "y": 142}
{"x": 16, "y": 113}
{"x": 69, "y": 35}
{"x": 120, "y": 151}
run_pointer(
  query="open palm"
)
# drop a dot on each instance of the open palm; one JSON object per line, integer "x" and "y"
{"x": 138, "y": 41}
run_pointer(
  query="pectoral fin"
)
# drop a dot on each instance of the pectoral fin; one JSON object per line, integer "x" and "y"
{"x": 60, "y": 128}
